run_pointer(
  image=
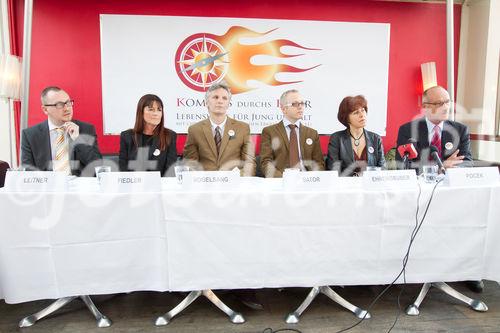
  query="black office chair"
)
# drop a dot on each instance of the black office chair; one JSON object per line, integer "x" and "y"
{"x": 3, "y": 170}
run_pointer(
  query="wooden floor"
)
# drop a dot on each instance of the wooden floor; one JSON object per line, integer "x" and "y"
{"x": 136, "y": 312}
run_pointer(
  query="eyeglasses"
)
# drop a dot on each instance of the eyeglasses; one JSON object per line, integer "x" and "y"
{"x": 438, "y": 104}
{"x": 60, "y": 105}
{"x": 297, "y": 104}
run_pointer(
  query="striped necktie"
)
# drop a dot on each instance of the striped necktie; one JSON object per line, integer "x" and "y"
{"x": 61, "y": 160}
{"x": 436, "y": 140}
{"x": 218, "y": 139}
{"x": 294, "y": 147}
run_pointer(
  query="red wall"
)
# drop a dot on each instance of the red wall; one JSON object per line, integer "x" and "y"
{"x": 66, "y": 46}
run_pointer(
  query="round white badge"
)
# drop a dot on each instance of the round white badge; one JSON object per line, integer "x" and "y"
{"x": 309, "y": 141}
{"x": 448, "y": 145}
{"x": 230, "y": 133}
{"x": 156, "y": 152}
{"x": 371, "y": 150}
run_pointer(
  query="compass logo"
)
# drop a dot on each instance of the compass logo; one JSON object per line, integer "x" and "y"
{"x": 204, "y": 59}
{"x": 201, "y": 61}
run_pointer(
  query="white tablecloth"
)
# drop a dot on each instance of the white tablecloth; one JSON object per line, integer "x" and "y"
{"x": 86, "y": 242}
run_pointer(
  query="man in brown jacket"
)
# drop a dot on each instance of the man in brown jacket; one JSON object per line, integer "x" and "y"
{"x": 289, "y": 143}
{"x": 220, "y": 142}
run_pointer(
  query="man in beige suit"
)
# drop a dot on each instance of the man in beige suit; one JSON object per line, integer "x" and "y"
{"x": 220, "y": 142}
{"x": 289, "y": 143}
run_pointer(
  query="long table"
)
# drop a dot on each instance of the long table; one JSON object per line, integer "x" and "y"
{"x": 84, "y": 242}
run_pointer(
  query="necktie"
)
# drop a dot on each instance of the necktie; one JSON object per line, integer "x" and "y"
{"x": 294, "y": 147}
{"x": 436, "y": 140}
{"x": 61, "y": 160}
{"x": 218, "y": 139}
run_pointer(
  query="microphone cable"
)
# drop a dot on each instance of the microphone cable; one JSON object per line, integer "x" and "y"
{"x": 270, "y": 330}
{"x": 414, "y": 234}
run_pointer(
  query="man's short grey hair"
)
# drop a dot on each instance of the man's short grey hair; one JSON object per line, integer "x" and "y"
{"x": 216, "y": 86}
{"x": 285, "y": 95}
{"x": 46, "y": 91}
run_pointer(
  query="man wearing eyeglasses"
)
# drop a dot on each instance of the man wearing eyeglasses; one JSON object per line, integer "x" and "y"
{"x": 59, "y": 143}
{"x": 289, "y": 143}
{"x": 450, "y": 138}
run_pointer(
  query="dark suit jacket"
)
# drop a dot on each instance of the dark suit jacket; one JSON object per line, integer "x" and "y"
{"x": 341, "y": 155}
{"x": 3, "y": 170}
{"x": 36, "y": 151}
{"x": 275, "y": 150}
{"x": 453, "y": 132}
{"x": 146, "y": 159}
{"x": 237, "y": 151}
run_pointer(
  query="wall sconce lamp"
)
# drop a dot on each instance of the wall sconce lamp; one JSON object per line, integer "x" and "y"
{"x": 10, "y": 77}
{"x": 429, "y": 77}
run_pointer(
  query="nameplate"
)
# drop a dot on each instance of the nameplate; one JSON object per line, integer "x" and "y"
{"x": 210, "y": 180}
{"x": 124, "y": 182}
{"x": 309, "y": 180}
{"x": 389, "y": 179}
{"x": 36, "y": 181}
{"x": 472, "y": 176}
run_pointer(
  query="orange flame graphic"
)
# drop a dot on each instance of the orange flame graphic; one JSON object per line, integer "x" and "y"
{"x": 241, "y": 69}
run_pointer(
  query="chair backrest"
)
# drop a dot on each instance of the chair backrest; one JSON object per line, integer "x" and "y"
{"x": 3, "y": 170}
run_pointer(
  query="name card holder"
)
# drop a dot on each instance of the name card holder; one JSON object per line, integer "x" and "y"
{"x": 126, "y": 182}
{"x": 36, "y": 181}
{"x": 390, "y": 179}
{"x": 211, "y": 180}
{"x": 295, "y": 180}
{"x": 472, "y": 176}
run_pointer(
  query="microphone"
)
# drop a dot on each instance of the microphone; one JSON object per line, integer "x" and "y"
{"x": 437, "y": 159}
{"x": 408, "y": 152}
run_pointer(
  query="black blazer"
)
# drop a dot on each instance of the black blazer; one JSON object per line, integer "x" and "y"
{"x": 341, "y": 156}
{"x": 36, "y": 151}
{"x": 454, "y": 135}
{"x": 147, "y": 160}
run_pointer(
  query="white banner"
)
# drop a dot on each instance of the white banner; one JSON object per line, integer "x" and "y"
{"x": 177, "y": 58}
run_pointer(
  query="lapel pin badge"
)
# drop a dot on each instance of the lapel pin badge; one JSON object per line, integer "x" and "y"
{"x": 309, "y": 141}
{"x": 448, "y": 145}
{"x": 371, "y": 150}
{"x": 231, "y": 134}
{"x": 156, "y": 152}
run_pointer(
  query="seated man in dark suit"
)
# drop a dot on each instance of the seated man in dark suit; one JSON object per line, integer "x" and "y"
{"x": 59, "y": 143}
{"x": 451, "y": 138}
{"x": 282, "y": 147}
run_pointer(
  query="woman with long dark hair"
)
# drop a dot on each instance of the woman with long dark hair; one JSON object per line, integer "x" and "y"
{"x": 149, "y": 146}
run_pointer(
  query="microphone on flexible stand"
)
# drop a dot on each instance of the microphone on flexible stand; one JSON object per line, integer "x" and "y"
{"x": 408, "y": 152}
{"x": 437, "y": 159}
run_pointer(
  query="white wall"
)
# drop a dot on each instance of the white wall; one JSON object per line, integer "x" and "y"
{"x": 7, "y": 139}
{"x": 478, "y": 71}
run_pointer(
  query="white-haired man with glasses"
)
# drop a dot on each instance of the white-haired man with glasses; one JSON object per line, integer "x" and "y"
{"x": 450, "y": 138}
{"x": 289, "y": 143}
{"x": 59, "y": 143}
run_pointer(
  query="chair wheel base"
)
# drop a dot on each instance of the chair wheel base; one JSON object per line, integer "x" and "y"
{"x": 161, "y": 321}
{"x": 27, "y": 321}
{"x": 237, "y": 318}
{"x": 478, "y": 306}
{"x": 292, "y": 318}
{"x": 362, "y": 314}
{"x": 412, "y": 310}
{"x": 104, "y": 322}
